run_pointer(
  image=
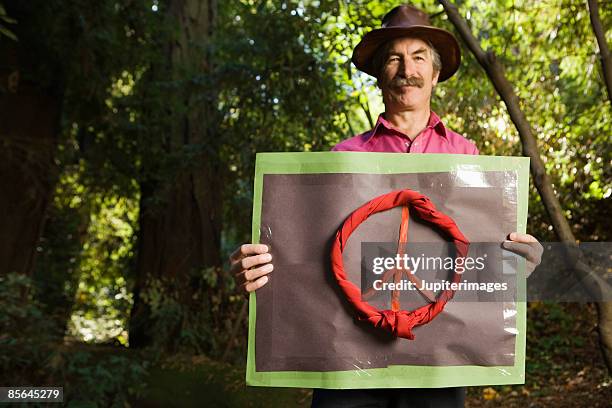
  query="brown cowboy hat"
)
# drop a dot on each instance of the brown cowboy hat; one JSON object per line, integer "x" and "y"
{"x": 408, "y": 21}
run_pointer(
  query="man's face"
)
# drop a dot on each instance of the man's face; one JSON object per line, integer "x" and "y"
{"x": 407, "y": 77}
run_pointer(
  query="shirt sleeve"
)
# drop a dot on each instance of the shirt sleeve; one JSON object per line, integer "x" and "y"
{"x": 474, "y": 150}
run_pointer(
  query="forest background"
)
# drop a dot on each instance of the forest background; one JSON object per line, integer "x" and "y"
{"x": 128, "y": 133}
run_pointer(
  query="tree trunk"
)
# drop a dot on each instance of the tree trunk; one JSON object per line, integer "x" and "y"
{"x": 604, "y": 51}
{"x": 180, "y": 217}
{"x": 29, "y": 128}
{"x": 594, "y": 285}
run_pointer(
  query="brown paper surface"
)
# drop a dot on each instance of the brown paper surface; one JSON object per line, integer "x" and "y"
{"x": 303, "y": 321}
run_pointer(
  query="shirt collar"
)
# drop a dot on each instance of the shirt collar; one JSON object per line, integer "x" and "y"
{"x": 383, "y": 124}
{"x": 436, "y": 124}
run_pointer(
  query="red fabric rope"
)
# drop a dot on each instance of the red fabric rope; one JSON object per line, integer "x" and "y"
{"x": 401, "y": 244}
{"x": 399, "y": 323}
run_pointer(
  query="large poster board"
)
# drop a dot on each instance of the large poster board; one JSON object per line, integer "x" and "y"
{"x": 302, "y": 331}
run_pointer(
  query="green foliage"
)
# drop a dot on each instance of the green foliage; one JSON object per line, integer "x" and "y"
{"x": 59, "y": 250}
{"x": 548, "y": 343}
{"x": 31, "y": 352}
{"x": 197, "y": 381}
{"x": 199, "y": 324}
{"x": 549, "y": 53}
{"x": 103, "y": 301}
{"x": 97, "y": 378}
{"x": 5, "y": 19}
{"x": 85, "y": 252}
{"x": 24, "y": 327}
{"x": 83, "y": 258}
{"x": 274, "y": 98}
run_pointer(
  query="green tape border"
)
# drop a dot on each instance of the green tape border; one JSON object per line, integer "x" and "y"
{"x": 401, "y": 376}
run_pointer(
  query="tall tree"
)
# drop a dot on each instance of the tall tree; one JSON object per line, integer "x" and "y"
{"x": 180, "y": 208}
{"x": 30, "y": 112}
{"x": 55, "y": 83}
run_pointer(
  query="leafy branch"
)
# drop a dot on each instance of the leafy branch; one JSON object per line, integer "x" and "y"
{"x": 4, "y": 18}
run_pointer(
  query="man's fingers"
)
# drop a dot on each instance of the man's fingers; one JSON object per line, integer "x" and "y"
{"x": 249, "y": 262}
{"x": 246, "y": 250}
{"x": 252, "y": 274}
{"x": 528, "y": 251}
{"x": 525, "y": 238}
{"x": 250, "y": 266}
{"x": 251, "y": 286}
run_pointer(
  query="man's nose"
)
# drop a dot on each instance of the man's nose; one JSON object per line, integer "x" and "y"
{"x": 407, "y": 68}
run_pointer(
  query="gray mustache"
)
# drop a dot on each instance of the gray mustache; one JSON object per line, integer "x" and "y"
{"x": 410, "y": 81}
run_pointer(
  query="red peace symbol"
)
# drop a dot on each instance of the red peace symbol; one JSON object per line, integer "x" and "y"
{"x": 399, "y": 323}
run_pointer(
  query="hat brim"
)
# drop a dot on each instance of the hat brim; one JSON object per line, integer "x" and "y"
{"x": 444, "y": 42}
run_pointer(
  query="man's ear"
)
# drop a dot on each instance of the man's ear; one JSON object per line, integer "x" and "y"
{"x": 434, "y": 80}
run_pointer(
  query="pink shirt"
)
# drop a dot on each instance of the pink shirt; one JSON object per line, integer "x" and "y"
{"x": 385, "y": 137}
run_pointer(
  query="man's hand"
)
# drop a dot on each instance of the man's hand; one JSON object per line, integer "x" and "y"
{"x": 527, "y": 246}
{"x": 250, "y": 266}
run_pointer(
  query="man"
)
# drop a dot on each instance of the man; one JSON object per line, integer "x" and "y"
{"x": 408, "y": 57}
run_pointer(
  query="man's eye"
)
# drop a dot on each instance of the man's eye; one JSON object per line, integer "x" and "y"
{"x": 419, "y": 58}
{"x": 392, "y": 59}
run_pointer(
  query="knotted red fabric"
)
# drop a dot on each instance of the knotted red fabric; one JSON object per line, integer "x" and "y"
{"x": 399, "y": 323}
